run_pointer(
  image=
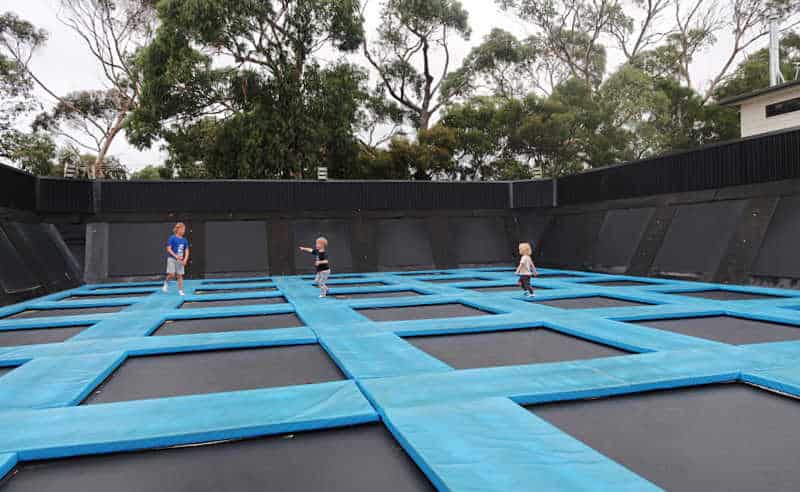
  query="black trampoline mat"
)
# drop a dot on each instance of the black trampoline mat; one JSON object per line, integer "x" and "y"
{"x": 432, "y": 311}
{"x": 12, "y": 338}
{"x": 729, "y": 437}
{"x": 727, "y": 295}
{"x": 235, "y": 291}
{"x": 360, "y": 284}
{"x": 619, "y": 283}
{"x": 233, "y": 302}
{"x": 502, "y": 288}
{"x": 136, "y": 286}
{"x": 160, "y": 376}
{"x": 590, "y": 302}
{"x": 454, "y": 280}
{"x": 251, "y": 280}
{"x": 3, "y": 372}
{"x": 363, "y": 458}
{"x": 378, "y": 295}
{"x": 232, "y": 323}
{"x": 507, "y": 348}
{"x": 727, "y": 329}
{"x": 51, "y": 313}
{"x": 92, "y": 297}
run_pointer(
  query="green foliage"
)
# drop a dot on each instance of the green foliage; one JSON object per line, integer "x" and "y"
{"x": 152, "y": 173}
{"x": 753, "y": 73}
{"x": 275, "y": 112}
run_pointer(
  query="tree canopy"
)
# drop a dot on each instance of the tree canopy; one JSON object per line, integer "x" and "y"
{"x": 274, "y": 89}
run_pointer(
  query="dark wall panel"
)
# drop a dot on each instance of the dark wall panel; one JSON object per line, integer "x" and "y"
{"x": 619, "y": 238}
{"x": 532, "y": 227}
{"x": 533, "y": 194}
{"x": 257, "y": 196}
{"x": 15, "y": 276}
{"x": 698, "y": 238}
{"x": 403, "y": 243}
{"x": 338, "y": 234}
{"x": 65, "y": 196}
{"x": 570, "y": 240}
{"x": 779, "y": 253}
{"x": 138, "y": 249}
{"x": 481, "y": 240}
{"x": 46, "y": 254}
{"x": 17, "y": 189}
{"x": 236, "y": 246}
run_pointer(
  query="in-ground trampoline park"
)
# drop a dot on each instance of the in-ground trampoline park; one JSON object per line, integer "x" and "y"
{"x": 660, "y": 352}
{"x": 448, "y": 380}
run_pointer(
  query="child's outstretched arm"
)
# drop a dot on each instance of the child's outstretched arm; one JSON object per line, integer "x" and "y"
{"x": 306, "y": 250}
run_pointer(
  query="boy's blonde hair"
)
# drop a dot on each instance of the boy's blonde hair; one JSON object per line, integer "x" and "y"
{"x": 525, "y": 249}
{"x": 323, "y": 241}
{"x": 178, "y": 226}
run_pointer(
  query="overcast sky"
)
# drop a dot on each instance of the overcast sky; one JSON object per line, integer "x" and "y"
{"x": 66, "y": 66}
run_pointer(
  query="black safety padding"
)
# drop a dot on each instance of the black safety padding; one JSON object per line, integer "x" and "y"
{"x": 403, "y": 243}
{"x": 236, "y": 246}
{"x": 481, "y": 240}
{"x": 15, "y": 276}
{"x": 778, "y": 255}
{"x": 44, "y": 251}
{"x": 619, "y": 238}
{"x": 698, "y": 238}
{"x": 570, "y": 240}
{"x": 139, "y": 249}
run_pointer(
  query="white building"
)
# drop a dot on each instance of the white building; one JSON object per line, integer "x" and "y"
{"x": 767, "y": 110}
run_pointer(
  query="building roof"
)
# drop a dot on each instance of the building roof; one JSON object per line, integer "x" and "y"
{"x": 737, "y": 100}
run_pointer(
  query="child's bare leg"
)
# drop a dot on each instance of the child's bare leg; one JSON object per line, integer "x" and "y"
{"x": 180, "y": 282}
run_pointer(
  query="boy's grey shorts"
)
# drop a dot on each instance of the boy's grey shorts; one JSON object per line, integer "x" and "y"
{"x": 174, "y": 266}
{"x": 322, "y": 277}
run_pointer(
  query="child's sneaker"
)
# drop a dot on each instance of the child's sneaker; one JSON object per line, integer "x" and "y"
{"x": 180, "y": 293}
{"x": 165, "y": 288}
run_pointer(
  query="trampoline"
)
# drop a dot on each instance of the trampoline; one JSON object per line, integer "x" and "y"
{"x": 728, "y": 329}
{"x": 378, "y": 295}
{"x": 427, "y": 311}
{"x": 453, "y": 280}
{"x": 727, "y": 295}
{"x": 510, "y": 348}
{"x": 101, "y": 297}
{"x": 236, "y": 290}
{"x": 619, "y": 283}
{"x": 225, "y": 324}
{"x": 160, "y": 376}
{"x": 722, "y": 437}
{"x": 363, "y": 458}
{"x": 420, "y": 385}
{"x": 33, "y": 336}
{"x": 253, "y": 301}
{"x": 589, "y": 303}
{"x": 57, "y": 312}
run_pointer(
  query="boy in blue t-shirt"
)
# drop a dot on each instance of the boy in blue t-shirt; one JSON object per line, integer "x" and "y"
{"x": 177, "y": 256}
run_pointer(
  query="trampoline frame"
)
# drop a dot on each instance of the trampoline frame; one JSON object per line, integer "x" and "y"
{"x": 422, "y": 401}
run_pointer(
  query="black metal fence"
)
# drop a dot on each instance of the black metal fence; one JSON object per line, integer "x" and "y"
{"x": 752, "y": 160}
{"x": 748, "y": 161}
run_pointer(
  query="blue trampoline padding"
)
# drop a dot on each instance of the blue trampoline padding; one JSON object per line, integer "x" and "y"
{"x": 381, "y": 355}
{"x": 7, "y": 463}
{"x": 539, "y": 383}
{"x": 55, "y": 321}
{"x": 634, "y": 338}
{"x": 10, "y": 356}
{"x": 126, "y": 426}
{"x": 495, "y": 445}
{"x": 49, "y": 382}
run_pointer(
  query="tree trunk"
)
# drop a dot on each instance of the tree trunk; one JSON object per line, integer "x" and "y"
{"x": 112, "y": 133}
